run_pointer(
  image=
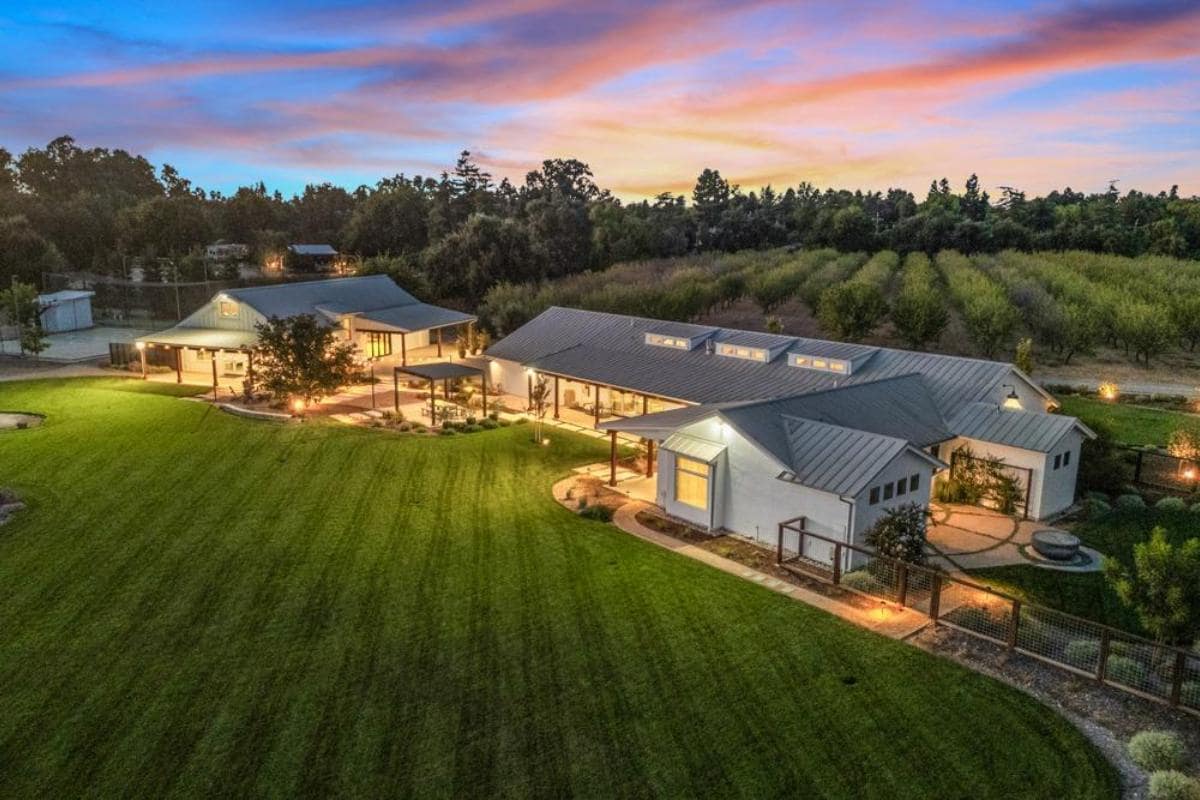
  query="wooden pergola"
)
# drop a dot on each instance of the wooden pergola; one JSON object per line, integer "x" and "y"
{"x": 445, "y": 372}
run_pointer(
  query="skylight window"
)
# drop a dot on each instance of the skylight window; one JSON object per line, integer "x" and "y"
{"x": 659, "y": 340}
{"x": 835, "y": 365}
{"x": 748, "y": 353}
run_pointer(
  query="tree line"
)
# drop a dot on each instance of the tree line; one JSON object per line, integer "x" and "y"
{"x": 456, "y": 235}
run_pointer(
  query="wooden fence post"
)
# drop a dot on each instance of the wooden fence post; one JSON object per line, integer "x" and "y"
{"x": 1015, "y": 625}
{"x": 1102, "y": 667}
{"x": 779, "y": 549}
{"x": 1137, "y": 468}
{"x": 1177, "y": 677}
{"x": 935, "y": 598}
{"x": 837, "y": 562}
{"x": 902, "y": 591}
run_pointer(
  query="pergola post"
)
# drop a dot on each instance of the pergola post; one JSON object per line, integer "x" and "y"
{"x": 213, "y": 361}
{"x": 250, "y": 369}
{"x": 403, "y": 351}
{"x": 596, "y": 408}
{"x": 396, "y": 390}
{"x": 439, "y": 341}
{"x": 645, "y": 404}
{"x": 612, "y": 458}
{"x": 649, "y": 458}
{"x": 142, "y": 353}
{"x": 432, "y": 402}
{"x": 179, "y": 365}
{"x": 556, "y": 397}
{"x": 483, "y": 385}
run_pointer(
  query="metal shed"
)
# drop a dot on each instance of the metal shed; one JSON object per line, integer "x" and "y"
{"x": 68, "y": 310}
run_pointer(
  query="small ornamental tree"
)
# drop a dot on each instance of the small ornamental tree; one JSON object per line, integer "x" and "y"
{"x": 900, "y": 533}
{"x": 19, "y": 304}
{"x": 1163, "y": 586}
{"x": 300, "y": 358}
{"x": 920, "y": 315}
{"x": 539, "y": 395}
{"x": 1023, "y": 360}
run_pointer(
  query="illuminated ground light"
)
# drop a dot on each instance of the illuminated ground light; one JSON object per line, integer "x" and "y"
{"x": 1108, "y": 391}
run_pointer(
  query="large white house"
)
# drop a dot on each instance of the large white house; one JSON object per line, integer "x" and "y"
{"x": 383, "y": 321}
{"x": 745, "y": 430}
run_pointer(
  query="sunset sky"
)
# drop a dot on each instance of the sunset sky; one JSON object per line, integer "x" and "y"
{"x": 1033, "y": 94}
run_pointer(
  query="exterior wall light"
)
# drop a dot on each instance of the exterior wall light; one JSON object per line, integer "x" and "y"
{"x": 140, "y": 345}
{"x": 1012, "y": 401}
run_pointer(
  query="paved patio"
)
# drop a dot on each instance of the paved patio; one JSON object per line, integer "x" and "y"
{"x": 967, "y": 537}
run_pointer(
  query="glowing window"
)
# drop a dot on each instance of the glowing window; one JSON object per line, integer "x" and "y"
{"x": 691, "y": 482}
{"x": 227, "y": 308}
{"x": 658, "y": 340}
{"x": 747, "y": 353}
{"x": 378, "y": 344}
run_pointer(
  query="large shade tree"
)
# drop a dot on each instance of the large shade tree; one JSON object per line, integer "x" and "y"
{"x": 300, "y": 358}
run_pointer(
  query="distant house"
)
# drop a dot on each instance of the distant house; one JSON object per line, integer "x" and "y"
{"x": 226, "y": 251}
{"x": 744, "y": 430}
{"x": 382, "y": 320}
{"x": 311, "y": 258}
{"x": 68, "y": 310}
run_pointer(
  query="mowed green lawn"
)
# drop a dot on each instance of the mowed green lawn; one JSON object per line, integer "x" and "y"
{"x": 1129, "y": 424}
{"x": 197, "y": 604}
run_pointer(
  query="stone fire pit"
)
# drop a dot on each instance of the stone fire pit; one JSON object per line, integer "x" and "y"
{"x": 1056, "y": 545}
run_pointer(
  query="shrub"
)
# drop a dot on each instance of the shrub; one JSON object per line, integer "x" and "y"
{"x": 1083, "y": 653}
{"x": 473, "y": 428}
{"x": 404, "y": 426}
{"x": 1123, "y": 669}
{"x": 900, "y": 533}
{"x": 863, "y": 581}
{"x": 493, "y": 415}
{"x": 419, "y": 427}
{"x": 471, "y": 420}
{"x": 522, "y": 421}
{"x": 1172, "y": 785}
{"x": 1195, "y": 509}
{"x": 1095, "y": 508}
{"x": 504, "y": 423}
{"x": 489, "y": 424}
{"x": 1156, "y": 750}
{"x": 444, "y": 431}
{"x": 1170, "y": 504}
{"x": 1189, "y": 694}
{"x": 1130, "y": 502}
{"x": 1101, "y": 496}
{"x": 597, "y": 513}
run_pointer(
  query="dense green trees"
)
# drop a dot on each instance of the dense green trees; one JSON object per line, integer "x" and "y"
{"x": 920, "y": 311}
{"x": 65, "y": 206}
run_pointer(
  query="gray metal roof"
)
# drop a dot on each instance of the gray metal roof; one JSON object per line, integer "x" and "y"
{"x": 66, "y": 295}
{"x": 341, "y": 295}
{"x": 834, "y": 459}
{"x": 415, "y": 317}
{"x": 693, "y": 447}
{"x": 1026, "y": 430}
{"x": 208, "y": 338}
{"x": 683, "y": 330}
{"x": 312, "y": 249}
{"x": 611, "y": 349}
{"x": 443, "y": 370}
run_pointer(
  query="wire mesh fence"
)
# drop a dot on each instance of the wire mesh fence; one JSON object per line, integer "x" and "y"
{"x": 1161, "y": 470}
{"x": 1112, "y": 657}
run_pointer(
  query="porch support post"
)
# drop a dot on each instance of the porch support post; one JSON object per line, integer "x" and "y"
{"x": 142, "y": 354}
{"x": 396, "y": 390}
{"x": 439, "y": 341}
{"x": 556, "y": 397}
{"x": 213, "y": 360}
{"x": 612, "y": 458}
{"x": 250, "y": 368}
{"x": 483, "y": 386}
{"x": 649, "y": 458}
{"x": 432, "y": 402}
{"x": 645, "y": 404}
{"x": 179, "y": 365}
{"x": 596, "y": 408}
{"x": 403, "y": 351}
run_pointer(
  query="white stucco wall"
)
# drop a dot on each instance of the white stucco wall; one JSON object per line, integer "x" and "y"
{"x": 905, "y": 465}
{"x": 508, "y": 375}
{"x": 1050, "y": 490}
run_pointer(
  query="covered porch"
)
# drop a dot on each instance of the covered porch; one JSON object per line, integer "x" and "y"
{"x": 215, "y": 357}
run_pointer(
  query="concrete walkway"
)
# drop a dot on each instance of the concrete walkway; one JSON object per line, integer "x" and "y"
{"x": 1092, "y": 384}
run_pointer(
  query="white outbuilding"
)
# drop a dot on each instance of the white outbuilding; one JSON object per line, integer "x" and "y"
{"x": 69, "y": 310}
